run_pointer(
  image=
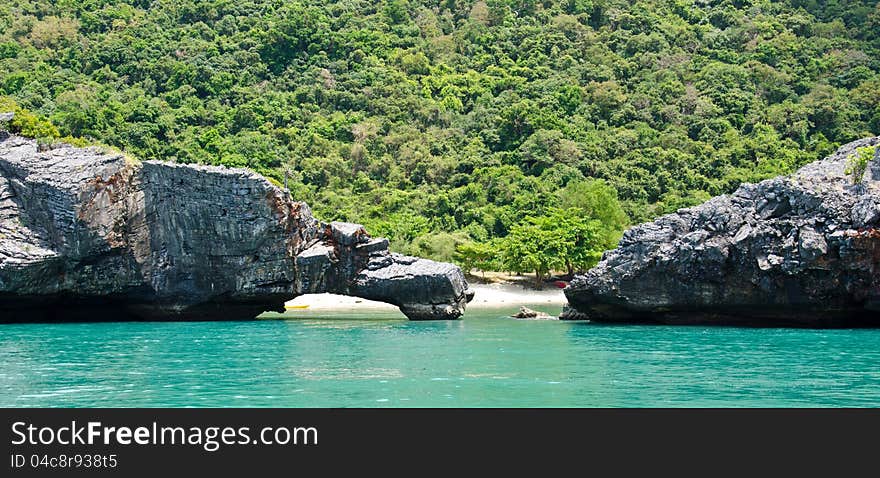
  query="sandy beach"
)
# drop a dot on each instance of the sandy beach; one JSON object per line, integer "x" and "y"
{"x": 502, "y": 295}
{"x": 486, "y": 296}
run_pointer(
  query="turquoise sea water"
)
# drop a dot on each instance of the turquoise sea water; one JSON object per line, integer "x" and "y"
{"x": 485, "y": 360}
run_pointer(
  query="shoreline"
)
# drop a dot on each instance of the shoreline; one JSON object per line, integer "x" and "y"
{"x": 485, "y": 296}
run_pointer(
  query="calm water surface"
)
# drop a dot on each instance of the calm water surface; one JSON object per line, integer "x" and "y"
{"x": 485, "y": 360}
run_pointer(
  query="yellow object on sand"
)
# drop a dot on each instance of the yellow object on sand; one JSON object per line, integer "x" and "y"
{"x": 296, "y": 306}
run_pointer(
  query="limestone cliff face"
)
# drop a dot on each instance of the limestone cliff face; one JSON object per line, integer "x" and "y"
{"x": 88, "y": 235}
{"x": 797, "y": 250}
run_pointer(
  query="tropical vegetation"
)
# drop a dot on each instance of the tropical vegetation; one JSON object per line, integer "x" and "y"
{"x": 504, "y": 134}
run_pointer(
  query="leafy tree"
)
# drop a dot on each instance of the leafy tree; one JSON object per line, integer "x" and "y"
{"x": 440, "y": 122}
{"x": 598, "y": 201}
{"x": 562, "y": 239}
{"x": 478, "y": 255}
{"x": 534, "y": 245}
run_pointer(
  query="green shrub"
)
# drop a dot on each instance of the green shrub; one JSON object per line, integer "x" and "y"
{"x": 857, "y": 163}
{"x": 26, "y": 123}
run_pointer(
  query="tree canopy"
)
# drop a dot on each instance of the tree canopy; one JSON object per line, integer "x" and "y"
{"x": 449, "y": 123}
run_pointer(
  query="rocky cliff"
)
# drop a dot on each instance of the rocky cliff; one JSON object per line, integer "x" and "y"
{"x": 796, "y": 250}
{"x": 92, "y": 235}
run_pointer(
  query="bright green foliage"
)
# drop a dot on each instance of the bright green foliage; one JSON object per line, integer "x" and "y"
{"x": 421, "y": 117}
{"x": 561, "y": 239}
{"x": 440, "y": 246}
{"x": 571, "y": 238}
{"x": 582, "y": 237}
{"x": 478, "y": 255}
{"x": 26, "y": 123}
{"x": 596, "y": 200}
{"x": 858, "y": 163}
{"x": 534, "y": 245}
{"x": 403, "y": 228}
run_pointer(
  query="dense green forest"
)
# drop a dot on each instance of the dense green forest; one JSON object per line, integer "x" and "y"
{"x": 505, "y": 129}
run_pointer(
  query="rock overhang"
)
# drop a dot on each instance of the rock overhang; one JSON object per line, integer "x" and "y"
{"x": 80, "y": 228}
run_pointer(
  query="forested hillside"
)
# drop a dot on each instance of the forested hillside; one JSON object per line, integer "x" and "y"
{"x": 441, "y": 123}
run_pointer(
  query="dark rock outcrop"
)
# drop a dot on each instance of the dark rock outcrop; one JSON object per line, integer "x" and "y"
{"x": 798, "y": 250}
{"x": 527, "y": 313}
{"x": 92, "y": 235}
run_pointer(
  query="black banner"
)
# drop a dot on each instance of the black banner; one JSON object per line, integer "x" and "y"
{"x": 228, "y": 442}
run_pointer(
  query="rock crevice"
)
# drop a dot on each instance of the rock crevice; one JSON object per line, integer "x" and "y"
{"x": 93, "y": 235}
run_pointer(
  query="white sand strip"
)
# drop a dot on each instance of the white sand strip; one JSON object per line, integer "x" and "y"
{"x": 486, "y": 296}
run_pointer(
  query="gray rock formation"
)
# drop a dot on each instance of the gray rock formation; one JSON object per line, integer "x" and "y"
{"x": 4, "y": 119}
{"x": 527, "y": 313}
{"x": 797, "y": 250}
{"x": 91, "y": 235}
